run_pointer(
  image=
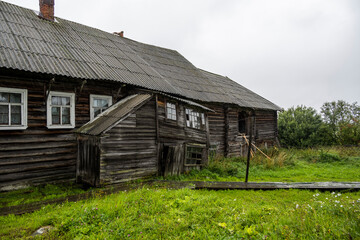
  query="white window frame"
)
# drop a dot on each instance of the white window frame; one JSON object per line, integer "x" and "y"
{"x": 72, "y": 110}
{"x": 24, "y": 108}
{"x": 92, "y": 96}
{"x": 169, "y": 107}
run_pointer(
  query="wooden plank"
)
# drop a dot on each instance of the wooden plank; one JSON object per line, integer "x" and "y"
{"x": 276, "y": 185}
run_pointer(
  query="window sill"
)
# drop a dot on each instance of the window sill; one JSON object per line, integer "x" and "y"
{"x": 13, "y": 128}
{"x": 60, "y": 127}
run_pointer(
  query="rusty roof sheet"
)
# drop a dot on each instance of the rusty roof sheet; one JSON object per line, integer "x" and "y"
{"x": 114, "y": 115}
{"x": 69, "y": 49}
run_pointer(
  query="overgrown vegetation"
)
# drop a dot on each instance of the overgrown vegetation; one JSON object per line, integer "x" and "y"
{"x": 338, "y": 124}
{"x": 286, "y": 165}
{"x": 153, "y": 212}
{"x": 188, "y": 214}
{"x": 38, "y": 193}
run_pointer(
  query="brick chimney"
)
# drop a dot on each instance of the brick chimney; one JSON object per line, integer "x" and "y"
{"x": 47, "y": 9}
{"x": 121, "y": 34}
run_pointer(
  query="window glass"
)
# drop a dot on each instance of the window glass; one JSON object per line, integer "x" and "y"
{"x": 55, "y": 111}
{"x": 15, "y": 98}
{"x": 65, "y": 101}
{"x": 61, "y": 110}
{"x": 99, "y": 104}
{"x": 97, "y": 111}
{"x": 55, "y": 100}
{"x": 65, "y": 115}
{"x": 194, "y": 119}
{"x": 194, "y": 155}
{"x": 15, "y": 115}
{"x": 4, "y": 114}
{"x": 170, "y": 111}
{"x": 4, "y": 97}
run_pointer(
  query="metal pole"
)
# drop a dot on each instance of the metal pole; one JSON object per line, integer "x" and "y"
{"x": 249, "y": 148}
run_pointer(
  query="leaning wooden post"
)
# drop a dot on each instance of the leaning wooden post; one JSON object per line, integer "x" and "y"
{"x": 249, "y": 148}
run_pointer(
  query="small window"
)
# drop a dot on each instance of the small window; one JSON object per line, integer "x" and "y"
{"x": 194, "y": 156}
{"x": 242, "y": 123}
{"x": 13, "y": 109}
{"x": 171, "y": 111}
{"x": 61, "y": 110}
{"x": 98, "y": 104}
{"x": 194, "y": 119}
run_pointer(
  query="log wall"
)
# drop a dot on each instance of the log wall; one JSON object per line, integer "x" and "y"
{"x": 217, "y": 131}
{"x": 224, "y": 134}
{"x": 177, "y": 135}
{"x": 39, "y": 155}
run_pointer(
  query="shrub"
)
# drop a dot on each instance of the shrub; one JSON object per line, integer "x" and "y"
{"x": 300, "y": 127}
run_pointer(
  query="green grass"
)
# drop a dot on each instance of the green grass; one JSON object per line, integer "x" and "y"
{"x": 310, "y": 165}
{"x": 201, "y": 214}
{"x": 38, "y": 193}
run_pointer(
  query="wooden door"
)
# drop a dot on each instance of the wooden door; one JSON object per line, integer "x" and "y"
{"x": 172, "y": 162}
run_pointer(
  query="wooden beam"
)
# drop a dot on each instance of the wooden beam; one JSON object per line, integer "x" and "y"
{"x": 226, "y": 138}
{"x": 247, "y": 142}
{"x": 157, "y": 135}
{"x": 262, "y": 152}
{"x": 249, "y": 148}
{"x": 49, "y": 89}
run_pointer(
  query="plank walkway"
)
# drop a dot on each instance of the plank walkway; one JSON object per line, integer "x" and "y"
{"x": 322, "y": 186}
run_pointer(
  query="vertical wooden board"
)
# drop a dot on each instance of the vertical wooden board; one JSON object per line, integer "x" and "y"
{"x": 130, "y": 152}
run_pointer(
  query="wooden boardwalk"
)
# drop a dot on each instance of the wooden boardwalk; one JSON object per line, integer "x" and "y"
{"x": 323, "y": 186}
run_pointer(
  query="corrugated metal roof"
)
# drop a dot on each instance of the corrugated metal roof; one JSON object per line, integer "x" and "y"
{"x": 189, "y": 102}
{"x": 114, "y": 115}
{"x": 240, "y": 95}
{"x": 69, "y": 49}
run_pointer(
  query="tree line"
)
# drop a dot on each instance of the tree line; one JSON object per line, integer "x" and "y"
{"x": 338, "y": 123}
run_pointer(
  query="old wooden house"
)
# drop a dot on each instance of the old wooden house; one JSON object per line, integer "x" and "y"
{"x": 78, "y": 102}
{"x": 139, "y": 137}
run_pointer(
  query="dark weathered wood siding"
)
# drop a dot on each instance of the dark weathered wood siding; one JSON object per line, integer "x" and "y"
{"x": 176, "y": 135}
{"x": 266, "y": 127}
{"x": 37, "y": 154}
{"x": 224, "y": 132}
{"x": 216, "y": 122}
{"x": 129, "y": 150}
{"x": 88, "y": 160}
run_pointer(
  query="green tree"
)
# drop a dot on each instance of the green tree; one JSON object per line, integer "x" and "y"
{"x": 300, "y": 127}
{"x": 342, "y": 119}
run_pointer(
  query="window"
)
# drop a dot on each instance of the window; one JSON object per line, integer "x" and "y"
{"x": 61, "y": 110}
{"x": 98, "y": 104}
{"x": 194, "y": 155}
{"x": 194, "y": 119}
{"x": 13, "y": 109}
{"x": 242, "y": 123}
{"x": 171, "y": 111}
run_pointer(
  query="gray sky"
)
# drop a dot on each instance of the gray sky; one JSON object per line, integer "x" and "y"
{"x": 291, "y": 52}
